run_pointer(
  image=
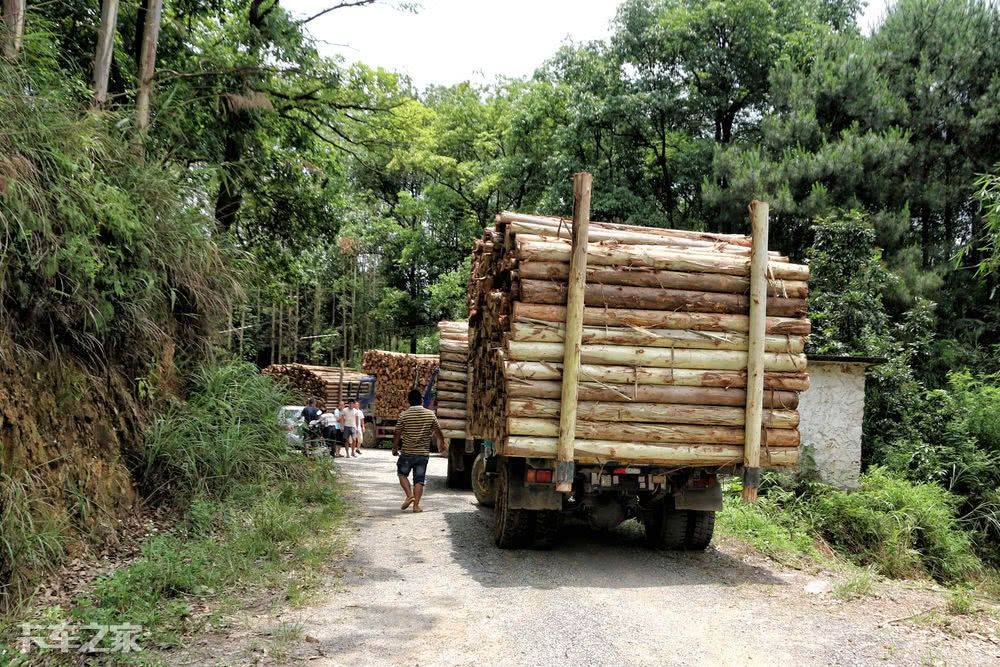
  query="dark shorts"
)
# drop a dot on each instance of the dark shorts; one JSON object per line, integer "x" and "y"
{"x": 350, "y": 432}
{"x": 418, "y": 464}
{"x": 338, "y": 435}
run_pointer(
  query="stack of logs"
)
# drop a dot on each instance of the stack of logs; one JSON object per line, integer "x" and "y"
{"x": 663, "y": 366}
{"x": 452, "y": 394}
{"x": 325, "y": 384}
{"x": 396, "y": 373}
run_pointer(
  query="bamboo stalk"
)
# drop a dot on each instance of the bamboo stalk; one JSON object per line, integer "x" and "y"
{"x": 576, "y": 287}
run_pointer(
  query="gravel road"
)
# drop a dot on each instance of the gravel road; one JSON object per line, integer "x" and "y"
{"x": 431, "y": 589}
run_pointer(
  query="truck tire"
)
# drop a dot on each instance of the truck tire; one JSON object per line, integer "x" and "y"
{"x": 546, "y": 529}
{"x": 369, "y": 440}
{"x": 666, "y": 528}
{"x": 511, "y": 528}
{"x": 701, "y": 525}
{"x": 483, "y": 486}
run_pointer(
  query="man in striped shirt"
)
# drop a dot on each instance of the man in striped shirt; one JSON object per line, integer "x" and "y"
{"x": 414, "y": 429}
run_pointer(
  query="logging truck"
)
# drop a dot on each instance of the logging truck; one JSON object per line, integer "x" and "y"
{"x": 628, "y": 396}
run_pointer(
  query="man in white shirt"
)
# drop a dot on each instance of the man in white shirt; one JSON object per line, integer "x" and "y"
{"x": 354, "y": 424}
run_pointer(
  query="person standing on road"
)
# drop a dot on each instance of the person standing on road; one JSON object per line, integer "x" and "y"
{"x": 414, "y": 430}
{"x": 353, "y": 425}
{"x": 338, "y": 435}
{"x": 359, "y": 416}
{"x": 329, "y": 421}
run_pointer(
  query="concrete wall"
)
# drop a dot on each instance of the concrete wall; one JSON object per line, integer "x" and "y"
{"x": 831, "y": 414}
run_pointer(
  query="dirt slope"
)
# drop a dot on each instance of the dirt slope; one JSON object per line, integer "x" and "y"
{"x": 431, "y": 589}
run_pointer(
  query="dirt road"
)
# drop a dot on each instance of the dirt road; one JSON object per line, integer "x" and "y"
{"x": 431, "y": 589}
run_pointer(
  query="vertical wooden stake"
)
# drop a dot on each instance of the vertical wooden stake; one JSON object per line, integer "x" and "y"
{"x": 147, "y": 64}
{"x": 565, "y": 470}
{"x": 13, "y": 17}
{"x": 104, "y": 52}
{"x": 755, "y": 351}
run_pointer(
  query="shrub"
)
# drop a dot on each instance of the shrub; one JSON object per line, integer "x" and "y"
{"x": 903, "y": 528}
{"x": 226, "y": 432}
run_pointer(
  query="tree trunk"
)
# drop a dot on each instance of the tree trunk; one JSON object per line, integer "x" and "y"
{"x": 230, "y": 196}
{"x": 147, "y": 64}
{"x": 651, "y": 393}
{"x": 104, "y": 52}
{"x": 13, "y": 18}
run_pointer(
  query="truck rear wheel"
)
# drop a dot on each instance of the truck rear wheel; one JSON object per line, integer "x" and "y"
{"x": 701, "y": 525}
{"x": 483, "y": 486}
{"x": 666, "y": 528}
{"x": 511, "y": 528}
{"x": 675, "y": 530}
{"x": 546, "y": 528}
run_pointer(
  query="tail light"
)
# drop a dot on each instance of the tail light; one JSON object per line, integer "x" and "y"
{"x": 535, "y": 476}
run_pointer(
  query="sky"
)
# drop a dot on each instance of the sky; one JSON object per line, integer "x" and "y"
{"x": 450, "y": 41}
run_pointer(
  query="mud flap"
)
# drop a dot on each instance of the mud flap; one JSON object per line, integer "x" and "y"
{"x": 703, "y": 500}
{"x": 523, "y": 496}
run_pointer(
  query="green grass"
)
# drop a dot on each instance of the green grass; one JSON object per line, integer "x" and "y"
{"x": 263, "y": 536}
{"x": 899, "y": 528}
{"x": 858, "y": 586}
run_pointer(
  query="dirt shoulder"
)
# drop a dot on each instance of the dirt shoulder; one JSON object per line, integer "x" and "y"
{"x": 431, "y": 589}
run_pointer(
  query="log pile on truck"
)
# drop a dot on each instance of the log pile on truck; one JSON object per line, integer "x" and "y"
{"x": 326, "y": 384}
{"x": 452, "y": 396}
{"x": 663, "y": 345}
{"x": 396, "y": 373}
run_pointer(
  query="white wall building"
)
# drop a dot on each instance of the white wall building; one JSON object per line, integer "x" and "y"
{"x": 831, "y": 414}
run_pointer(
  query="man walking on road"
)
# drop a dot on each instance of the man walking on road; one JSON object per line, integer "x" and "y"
{"x": 414, "y": 429}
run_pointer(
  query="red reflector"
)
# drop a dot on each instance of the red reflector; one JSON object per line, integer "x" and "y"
{"x": 701, "y": 482}
{"x": 543, "y": 476}
{"x": 531, "y": 475}
{"x": 619, "y": 471}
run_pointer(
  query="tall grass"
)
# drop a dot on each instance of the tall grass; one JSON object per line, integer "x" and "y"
{"x": 900, "y": 528}
{"x": 32, "y": 537}
{"x": 225, "y": 433}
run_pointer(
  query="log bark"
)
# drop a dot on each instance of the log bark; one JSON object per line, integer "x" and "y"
{"x": 656, "y": 433}
{"x": 650, "y": 375}
{"x": 456, "y": 425}
{"x": 546, "y": 332}
{"x": 656, "y": 298}
{"x": 451, "y": 413}
{"x": 453, "y": 376}
{"x": 574, "y": 299}
{"x": 654, "y": 413}
{"x": 659, "y": 357}
{"x": 658, "y": 319}
{"x": 639, "y": 276}
{"x": 756, "y": 360}
{"x": 654, "y": 257}
{"x": 602, "y": 451}
{"x": 651, "y": 393}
